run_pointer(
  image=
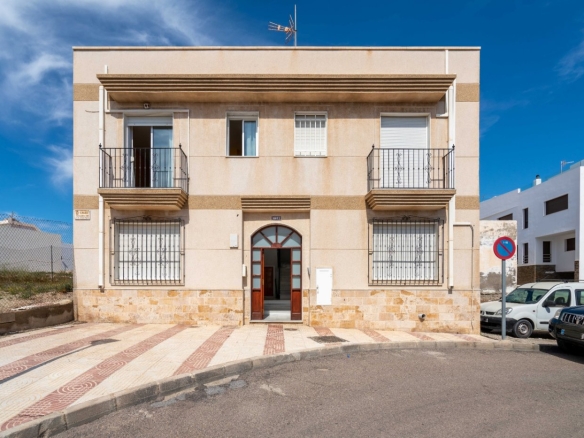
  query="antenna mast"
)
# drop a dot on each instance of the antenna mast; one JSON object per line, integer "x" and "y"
{"x": 291, "y": 30}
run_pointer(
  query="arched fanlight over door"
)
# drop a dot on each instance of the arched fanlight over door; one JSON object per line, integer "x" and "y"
{"x": 276, "y": 237}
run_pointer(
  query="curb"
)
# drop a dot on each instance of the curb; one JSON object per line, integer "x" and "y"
{"x": 91, "y": 410}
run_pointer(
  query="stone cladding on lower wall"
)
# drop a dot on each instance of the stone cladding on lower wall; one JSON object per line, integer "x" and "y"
{"x": 394, "y": 309}
{"x": 161, "y": 306}
{"x": 397, "y": 310}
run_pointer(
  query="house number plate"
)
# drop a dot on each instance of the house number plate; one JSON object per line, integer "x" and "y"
{"x": 276, "y": 218}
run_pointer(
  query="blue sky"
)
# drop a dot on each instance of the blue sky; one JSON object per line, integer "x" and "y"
{"x": 532, "y": 72}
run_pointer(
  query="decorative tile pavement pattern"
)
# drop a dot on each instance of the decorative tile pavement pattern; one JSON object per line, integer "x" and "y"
{"x": 76, "y": 388}
{"x": 275, "y": 340}
{"x": 466, "y": 337}
{"x": 41, "y": 334}
{"x": 24, "y": 364}
{"x": 375, "y": 335}
{"x": 421, "y": 336}
{"x": 203, "y": 355}
{"x": 50, "y": 370}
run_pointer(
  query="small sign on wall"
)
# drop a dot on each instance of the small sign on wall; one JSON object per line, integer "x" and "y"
{"x": 324, "y": 286}
{"x": 276, "y": 218}
{"x": 234, "y": 241}
{"x": 82, "y": 215}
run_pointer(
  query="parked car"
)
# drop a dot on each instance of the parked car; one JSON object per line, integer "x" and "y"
{"x": 531, "y": 306}
{"x": 567, "y": 326}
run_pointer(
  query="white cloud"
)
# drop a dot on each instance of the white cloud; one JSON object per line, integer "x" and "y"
{"x": 60, "y": 165}
{"x": 36, "y": 40}
{"x": 571, "y": 66}
{"x": 36, "y": 37}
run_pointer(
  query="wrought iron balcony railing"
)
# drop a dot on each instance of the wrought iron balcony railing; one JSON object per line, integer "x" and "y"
{"x": 410, "y": 169}
{"x": 143, "y": 168}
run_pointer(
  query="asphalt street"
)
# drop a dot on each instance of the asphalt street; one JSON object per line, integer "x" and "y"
{"x": 401, "y": 393}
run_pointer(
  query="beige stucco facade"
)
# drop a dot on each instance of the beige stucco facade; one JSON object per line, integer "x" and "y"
{"x": 322, "y": 198}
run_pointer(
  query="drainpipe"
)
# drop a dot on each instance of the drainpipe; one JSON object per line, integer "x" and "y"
{"x": 100, "y": 280}
{"x": 451, "y": 203}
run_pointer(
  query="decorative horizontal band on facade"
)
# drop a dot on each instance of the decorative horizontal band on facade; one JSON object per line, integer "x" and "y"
{"x": 398, "y": 199}
{"x": 467, "y": 202}
{"x": 129, "y": 88}
{"x": 275, "y": 203}
{"x": 144, "y": 199}
{"x": 468, "y": 92}
{"x": 195, "y": 202}
{"x": 87, "y": 202}
{"x": 85, "y": 92}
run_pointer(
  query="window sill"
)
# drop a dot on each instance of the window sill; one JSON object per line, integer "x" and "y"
{"x": 237, "y": 156}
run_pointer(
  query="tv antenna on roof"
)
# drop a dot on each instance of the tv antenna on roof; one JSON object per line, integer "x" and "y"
{"x": 563, "y": 163}
{"x": 291, "y": 30}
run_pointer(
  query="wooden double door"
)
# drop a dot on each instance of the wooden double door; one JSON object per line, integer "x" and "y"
{"x": 289, "y": 245}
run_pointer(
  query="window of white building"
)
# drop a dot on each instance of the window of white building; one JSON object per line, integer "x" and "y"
{"x": 571, "y": 244}
{"x": 310, "y": 134}
{"x": 557, "y": 204}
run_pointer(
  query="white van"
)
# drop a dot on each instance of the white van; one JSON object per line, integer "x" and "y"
{"x": 530, "y": 307}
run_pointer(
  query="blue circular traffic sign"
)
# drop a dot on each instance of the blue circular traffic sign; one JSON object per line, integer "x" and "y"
{"x": 504, "y": 248}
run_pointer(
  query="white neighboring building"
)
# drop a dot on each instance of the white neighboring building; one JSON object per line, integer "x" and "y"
{"x": 550, "y": 220}
{"x": 25, "y": 247}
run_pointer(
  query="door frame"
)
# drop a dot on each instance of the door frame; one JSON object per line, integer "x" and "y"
{"x": 257, "y": 280}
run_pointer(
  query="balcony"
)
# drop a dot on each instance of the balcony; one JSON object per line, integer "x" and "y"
{"x": 409, "y": 179}
{"x": 143, "y": 178}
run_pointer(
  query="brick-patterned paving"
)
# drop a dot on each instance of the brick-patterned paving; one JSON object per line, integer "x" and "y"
{"x": 76, "y": 388}
{"x": 421, "y": 336}
{"x": 324, "y": 331}
{"x": 33, "y": 360}
{"x": 275, "y": 339}
{"x": 377, "y": 337}
{"x": 40, "y": 335}
{"x": 203, "y": 355}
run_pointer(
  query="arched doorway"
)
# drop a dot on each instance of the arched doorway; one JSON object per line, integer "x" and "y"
{"x": 276, "y": 272}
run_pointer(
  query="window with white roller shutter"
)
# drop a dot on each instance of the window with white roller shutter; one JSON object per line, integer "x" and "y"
{"x": 310, "y": 134}
{"x": 403, "y": 152}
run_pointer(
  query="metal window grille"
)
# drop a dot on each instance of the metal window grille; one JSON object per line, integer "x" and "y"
{"x": 146, "y": 251}
{"x": 406, "y": 250}
{"x": 525, "y": 253}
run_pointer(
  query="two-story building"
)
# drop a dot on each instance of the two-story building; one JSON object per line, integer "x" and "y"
{"x": 550, "y": 220}
{"x": 333, "y": 186}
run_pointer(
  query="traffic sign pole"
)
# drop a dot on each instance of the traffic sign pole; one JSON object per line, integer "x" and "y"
{"x": 504, "y": 248}
{"x": 503, "y": 301}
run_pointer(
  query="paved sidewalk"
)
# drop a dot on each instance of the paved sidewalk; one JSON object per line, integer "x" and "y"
{"x": 48, "y": 370}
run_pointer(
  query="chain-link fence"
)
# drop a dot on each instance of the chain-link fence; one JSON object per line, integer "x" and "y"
{"x": 36, "y": 261}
